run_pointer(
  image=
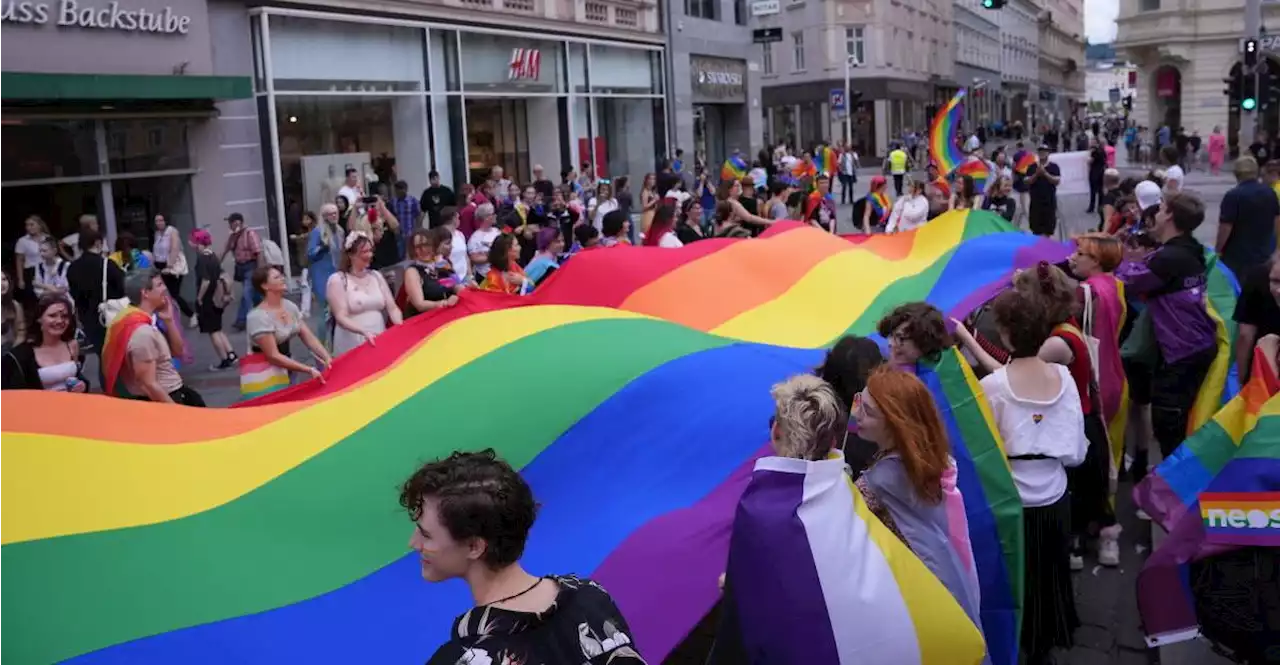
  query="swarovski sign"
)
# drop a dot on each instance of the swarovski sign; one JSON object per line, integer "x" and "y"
{"x": 73, "y": 14}
{"x": 718, "y": 80}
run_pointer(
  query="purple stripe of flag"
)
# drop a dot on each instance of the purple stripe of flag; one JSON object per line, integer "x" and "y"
{"x": 782, "y": 610}
{"x": 663, "y": 576}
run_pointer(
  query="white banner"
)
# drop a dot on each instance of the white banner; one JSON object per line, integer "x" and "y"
{"x": 1075, "y": 172}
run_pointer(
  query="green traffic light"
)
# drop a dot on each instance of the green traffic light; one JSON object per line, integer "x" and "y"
{"x": 988, "y": 4}
{"x": 1248, "y": 103}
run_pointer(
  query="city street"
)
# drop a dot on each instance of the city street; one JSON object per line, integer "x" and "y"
{"x": 1110, "y": 634}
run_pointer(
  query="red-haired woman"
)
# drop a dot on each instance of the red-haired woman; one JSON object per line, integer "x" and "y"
{"x": 662, "y": 232}
{"x": 912, "y": 481}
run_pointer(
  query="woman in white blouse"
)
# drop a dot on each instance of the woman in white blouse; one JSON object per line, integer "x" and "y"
{"x": 1037, "y": 409}
{"x": 171, "y": 260}
{"x": 602, "y": 204}
{"x": 911, "y": 210}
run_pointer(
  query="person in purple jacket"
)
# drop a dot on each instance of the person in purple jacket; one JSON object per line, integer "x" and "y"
{"x": 1172, "y": 280}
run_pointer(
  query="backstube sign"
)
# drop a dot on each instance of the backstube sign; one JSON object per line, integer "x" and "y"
{"x": 718, "y": 80}
{"x": 112, "y": 16}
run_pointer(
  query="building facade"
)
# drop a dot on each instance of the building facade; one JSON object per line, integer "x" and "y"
{"x": 127, "y": 111}
{"x": 1061, "y": 43}
{"x": 977, "y": 47}
{"x": 1102, "y": 78}
{"x": 905, "y": 62}
{"x": 1019, "y": 59}
{"x": 1183, "y": 49}
{"x": 292, "y": 97}
{"x": 715, "y": 79}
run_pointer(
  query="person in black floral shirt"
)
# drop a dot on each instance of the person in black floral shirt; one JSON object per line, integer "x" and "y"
{"x": 472, "y": 515}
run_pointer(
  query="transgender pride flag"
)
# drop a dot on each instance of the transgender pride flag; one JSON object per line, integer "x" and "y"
{"x": 815, "y": 578}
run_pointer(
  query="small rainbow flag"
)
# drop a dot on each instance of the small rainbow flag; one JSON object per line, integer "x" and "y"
{"x": 978, "y": 170}
{"x": 943, "y": 134}
{"x": 804, "y": 169}
{"x": 259, "y": 377}
{"x": 879, "y": 202}
{"x": 735, "y": 168}
{"x": 827, "y": 160}
{"x": 1025, "y": 160}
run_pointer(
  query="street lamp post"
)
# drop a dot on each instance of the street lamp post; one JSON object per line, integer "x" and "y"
{"x": 849, "y": 63}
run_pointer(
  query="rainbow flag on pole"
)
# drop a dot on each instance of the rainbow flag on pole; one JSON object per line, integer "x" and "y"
{"x": 943, "y": 133}
{"x": 269, "y": 533}
{"x": 826, "y": 159}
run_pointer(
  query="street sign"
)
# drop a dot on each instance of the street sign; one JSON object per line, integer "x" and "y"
{"x": 838, "y": 106}
{"x": 766, "y": 35}
{"x": 766, "y": 7}
{"x": 1114, "y": 95}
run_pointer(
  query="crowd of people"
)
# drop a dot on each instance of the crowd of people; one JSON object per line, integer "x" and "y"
{"x": 1054, "y": 351}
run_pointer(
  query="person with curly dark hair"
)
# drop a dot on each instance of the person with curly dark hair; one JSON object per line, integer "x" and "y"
{"x": 915, "y": 330}
{"x": 472, "y": 514}
{"x": 846, "y": 368}
{"x": 1036, "y": 408}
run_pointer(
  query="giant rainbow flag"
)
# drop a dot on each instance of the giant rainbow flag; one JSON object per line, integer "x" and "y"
{"x": 943, "y": 132}
{"x": 635, "y": 401}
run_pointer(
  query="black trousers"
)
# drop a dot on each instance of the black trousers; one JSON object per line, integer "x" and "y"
{"x": 1095, "y": 193}
{"x": 173, "y": 283}
{"x": 897, "y": 182}
{"x": 1174, "y": 387}
{"x": 846, "y": 188}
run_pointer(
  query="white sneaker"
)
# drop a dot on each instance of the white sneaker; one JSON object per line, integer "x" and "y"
{"x": 1077, "y": 562}
{"x": 1109, "y": 546}
{"x": 1142, "y": 515}
{"x": 194, "y": 322}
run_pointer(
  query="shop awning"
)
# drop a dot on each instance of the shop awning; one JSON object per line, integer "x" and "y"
{"x": 36, "y": 86}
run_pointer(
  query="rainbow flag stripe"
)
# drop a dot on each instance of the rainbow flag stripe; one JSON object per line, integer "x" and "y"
{"x": 259, "y": 377}
{"x": 270, "y": 532}
{"x": 826, "y": 160}
{"x": 1025, "y": 161}
{"x": 880, "y": 203}
{"x": 978, "y": 170}
{"x": 943, "y": 133}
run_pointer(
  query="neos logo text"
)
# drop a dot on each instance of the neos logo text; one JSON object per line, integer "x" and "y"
{"x": 71, "y": 14}
{"x": 1238, "y": 518}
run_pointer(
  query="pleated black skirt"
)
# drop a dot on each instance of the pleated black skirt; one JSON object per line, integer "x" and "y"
{"x": 1049, "y": 616}
{"x": 1089, "y": 483}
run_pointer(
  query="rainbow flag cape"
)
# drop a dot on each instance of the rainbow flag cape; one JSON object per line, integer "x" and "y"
{"x": 879, "y": 202}
{"x": 978, "y": 170}
{"x": 826, "y": 160}
{"x": 943, "y": 133}
{"x": 270, "y": 533}
{"x": 992, "y": 504}
{"x": 734, "y": 168}
{"x": 814, "y": 577}
{"x": 1110, "y": 309}
{"x": 1220, "y": 383}
{"x": 259, "y": 377}
{"x": 1218, "y": 491}
{"x": 115, "y": 347}
{"x": 1024, "y": 161}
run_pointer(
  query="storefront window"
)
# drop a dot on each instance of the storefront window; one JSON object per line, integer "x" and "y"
{"x": 37, "y": 149}
{"x": 139, "y": 200}
{"x": 383, "y": 138}
{"x": 578, "y": 66}
{"x": 498, "y": 135}
{"x": 502, "y": 63}
{"x": 616, "y": 69}
{"x": 147, "y": 145}
{"x": 444, "y": 60}
{"x": 60, "y": 206}
{"x": 315, "y": 54}
{"x": 626, "y": 137}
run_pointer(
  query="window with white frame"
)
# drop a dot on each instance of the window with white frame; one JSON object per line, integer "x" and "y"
{"x": 766, "y": 57}
{"x": 854, "y": 44}
{"x": 797, "y": 51}
{"x": 702, "y": 9}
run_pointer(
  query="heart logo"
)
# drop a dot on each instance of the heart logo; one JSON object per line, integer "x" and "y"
{"x": 1037, "y": 418}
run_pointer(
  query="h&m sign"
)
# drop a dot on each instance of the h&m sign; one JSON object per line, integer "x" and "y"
{"x": 526, "y": 64}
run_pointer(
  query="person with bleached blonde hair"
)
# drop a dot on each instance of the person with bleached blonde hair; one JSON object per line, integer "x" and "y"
{"x": 809, "y": 418}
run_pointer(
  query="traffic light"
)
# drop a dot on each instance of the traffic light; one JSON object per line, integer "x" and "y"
{"x": 993, "y": 4}
{"x": 1128, "y": 103}
{"x": 1250, "y": 54}
{"x": 1248, "y": 92}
